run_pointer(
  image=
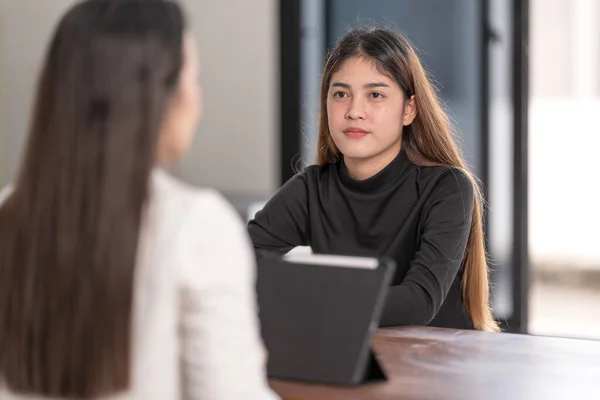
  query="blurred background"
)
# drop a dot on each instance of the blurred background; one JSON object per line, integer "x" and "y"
{"x": 521, "y": 79}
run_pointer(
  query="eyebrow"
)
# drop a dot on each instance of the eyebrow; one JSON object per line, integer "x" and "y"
{"x": 367, "y": 86}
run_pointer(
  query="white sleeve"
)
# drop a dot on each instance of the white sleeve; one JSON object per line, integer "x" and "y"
{"x": 222, "y": 352}
{"x": 5, "y": 192}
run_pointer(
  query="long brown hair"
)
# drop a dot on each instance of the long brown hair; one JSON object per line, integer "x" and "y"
{"x": 69, "y": 231}
{"x": 428, "y": 141}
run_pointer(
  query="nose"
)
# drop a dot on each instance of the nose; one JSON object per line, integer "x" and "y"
{"x": 355, "y": 109}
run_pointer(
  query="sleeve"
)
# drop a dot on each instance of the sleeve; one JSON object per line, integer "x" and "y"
{"x": 222, "y": 353}
{"x": 4, "y": 193}
{"x": 446, "y": 218}
{"x": 283, "y": 223}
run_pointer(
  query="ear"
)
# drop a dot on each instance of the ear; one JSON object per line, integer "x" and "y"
{"x": 410, "y": 111}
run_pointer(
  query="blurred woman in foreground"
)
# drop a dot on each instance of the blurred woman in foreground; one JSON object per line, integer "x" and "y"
{"x": 116, "y": 279}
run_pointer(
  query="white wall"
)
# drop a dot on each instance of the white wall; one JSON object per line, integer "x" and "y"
{"x": 237, "y": 150}
{"x": 551, "y": 45}
{"x": 563, "y": 133}
{"x": 237, "y": 147}
{"x": 26, "y": 27}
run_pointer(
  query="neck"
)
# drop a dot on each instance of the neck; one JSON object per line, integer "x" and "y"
{"x": 364, "y": 168}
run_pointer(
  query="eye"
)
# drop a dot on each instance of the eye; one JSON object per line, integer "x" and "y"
{"x": 377, "y": 95}
{"x": 340, "y": 95}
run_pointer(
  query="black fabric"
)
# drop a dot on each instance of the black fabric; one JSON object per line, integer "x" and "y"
{"x": 418, "y": 216}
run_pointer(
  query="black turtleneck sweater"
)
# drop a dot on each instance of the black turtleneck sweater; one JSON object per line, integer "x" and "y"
{"x": 418, "y": 216}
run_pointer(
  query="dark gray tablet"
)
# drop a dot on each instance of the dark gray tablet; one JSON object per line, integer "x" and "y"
{"x": 318, "y": 314}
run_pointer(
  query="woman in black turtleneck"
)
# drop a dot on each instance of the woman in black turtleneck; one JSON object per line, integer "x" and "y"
{"x": 390, "y": 181}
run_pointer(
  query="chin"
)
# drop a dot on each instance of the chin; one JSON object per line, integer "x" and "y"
{"x": 355, "y": 148}
{"x": 357, "y": 154}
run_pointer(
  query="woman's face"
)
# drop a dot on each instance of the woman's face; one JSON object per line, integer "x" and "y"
{"x": 184, "y": 109}
{"x": 366, "y": 111}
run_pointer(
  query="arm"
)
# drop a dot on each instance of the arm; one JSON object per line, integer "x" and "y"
{"x": 283, "y": 223}
{"x": 222, "y": 352}
{"x": 446, "y": 225}
{"x": 4, "y": 193}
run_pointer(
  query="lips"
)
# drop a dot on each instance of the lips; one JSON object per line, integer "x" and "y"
{"x": 355, "y": 133}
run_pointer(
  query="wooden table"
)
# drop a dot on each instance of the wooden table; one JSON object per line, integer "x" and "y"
{"x": 432, "y": 363}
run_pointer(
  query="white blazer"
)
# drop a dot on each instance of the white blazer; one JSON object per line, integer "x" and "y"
{"x": 196, "y": 333}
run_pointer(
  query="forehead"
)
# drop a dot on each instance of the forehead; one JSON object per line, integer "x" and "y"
{"x": 359, "y": 70}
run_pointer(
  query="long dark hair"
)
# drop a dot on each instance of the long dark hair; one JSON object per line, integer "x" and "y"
{"x": 69, "y": 231}
{"x": 428, "y": 141}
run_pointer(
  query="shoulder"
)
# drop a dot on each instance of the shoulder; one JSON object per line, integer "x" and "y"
{"x": 5, "y": 192}
{"x": 451, "y": 188}
{"x": 165, "y": 186}
{"x": 306, "y": 182}
{"x": 318, "y": 172}
{"x": 456, "y": 180}
{"x": 445, "y": 179}
{"x": 298, "y": 185}
{"x": 213, "y": 240}
{"x": 315, "y": 176}
{"x": 313, "y": 173}
{"x": 203, "y": 209}
{"x": 190, "y": 201}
